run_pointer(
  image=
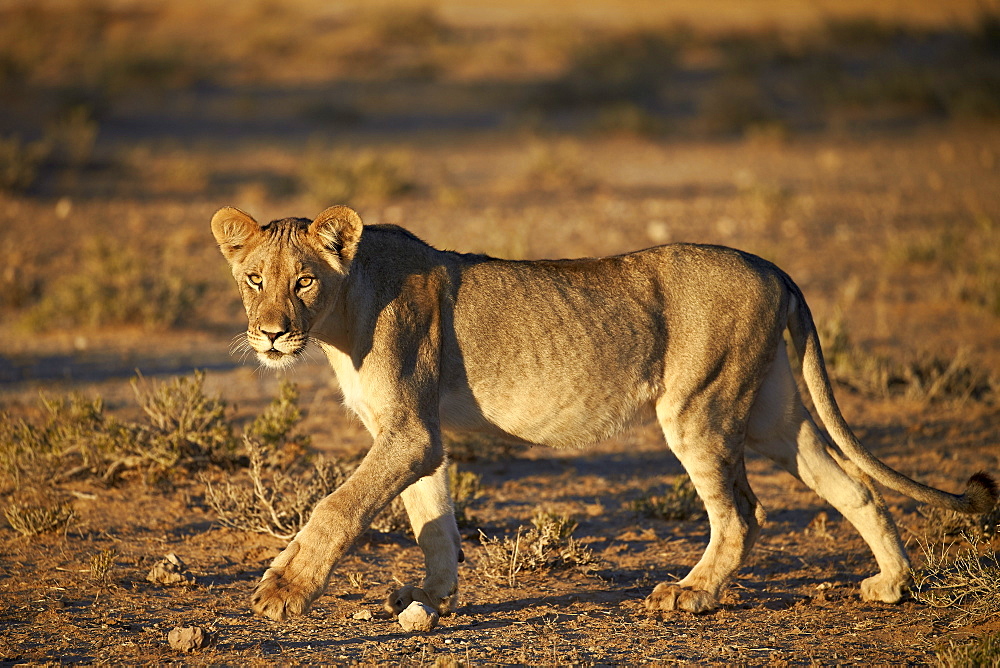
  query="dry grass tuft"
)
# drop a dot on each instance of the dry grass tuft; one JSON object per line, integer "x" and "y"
{"x": 30, "y": 520}
{"x": 547, "y": 544}
{"x": 941, "y": 525}
{"x": 101, "y": 565}
{"x": 962, "y": 575}
{"x": 980, "y": 652}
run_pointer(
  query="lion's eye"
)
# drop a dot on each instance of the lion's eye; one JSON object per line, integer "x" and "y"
{"x": 304, "y": 282}
{"x": 254, "y": 280}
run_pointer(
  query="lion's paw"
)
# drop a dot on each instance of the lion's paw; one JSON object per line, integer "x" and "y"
{"x": 884, "y": 588}
{"x": 400, "y": 599}
{"x": 288, "y": 588}
{"x": 668, "y": 597}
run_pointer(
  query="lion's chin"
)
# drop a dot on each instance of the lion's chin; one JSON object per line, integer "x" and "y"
{"x": 276, "y": 359}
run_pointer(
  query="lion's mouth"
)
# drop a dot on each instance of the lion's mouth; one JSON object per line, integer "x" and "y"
{"x": 278, "y": 359}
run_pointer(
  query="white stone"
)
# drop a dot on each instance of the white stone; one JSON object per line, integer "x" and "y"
{"x": 418, "y": 617}
{"x": 187, "y": 638}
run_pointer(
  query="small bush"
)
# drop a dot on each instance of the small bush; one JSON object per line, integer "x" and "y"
{"x": 465, "y": 488}
{"x": 73, "y": 137}
{"x": 924, "y": 376}
{"x": 275, "y": 501}
{"x": 469, "y": 447}
{"x": 185, "y": 429}
{"x": 737, "y": 106}
{"x": 75, "y": 437}
{"x": 941, "y": 525}
{"x": 274, "y": 429}
{"x": 679, "y": 503}
{"x": 393, "y": 519}
{"x": 349, "y": 175}
{"x": 632, "y": 67}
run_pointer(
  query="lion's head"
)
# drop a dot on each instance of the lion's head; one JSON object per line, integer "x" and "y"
{"x": 287, "y": 272}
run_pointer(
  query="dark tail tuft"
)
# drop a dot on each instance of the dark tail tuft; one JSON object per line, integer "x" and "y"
{"x": 981, "y": 492}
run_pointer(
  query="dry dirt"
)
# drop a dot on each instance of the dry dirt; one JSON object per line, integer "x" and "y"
{"x": 892, "y": 228}
{"x": 796, "y": 601}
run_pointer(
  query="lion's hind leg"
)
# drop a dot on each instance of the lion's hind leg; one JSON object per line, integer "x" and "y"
{"x": 714, "y": 461}
{"x": 432, "y": 516}
{"x": 782, "y": 429}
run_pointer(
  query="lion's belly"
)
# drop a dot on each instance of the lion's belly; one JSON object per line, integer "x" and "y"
{"x": 556, "y": 409}
{"x": 555, "y": 358}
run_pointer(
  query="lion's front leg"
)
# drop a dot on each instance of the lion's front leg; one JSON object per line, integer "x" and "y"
{"x": 300, "y": 573}
{"x": 429, "y": 506}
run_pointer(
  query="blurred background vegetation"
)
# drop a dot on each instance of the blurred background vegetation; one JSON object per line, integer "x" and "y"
{"x": 124, "y": 124}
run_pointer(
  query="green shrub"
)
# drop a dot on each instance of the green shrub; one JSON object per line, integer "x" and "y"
{"x": 274, "y": 428}
{"x": 20, "y": 163}
{"x": 184, "y": 429}
{"x": 115, "y": 284}
{"x": 679, "y": 503}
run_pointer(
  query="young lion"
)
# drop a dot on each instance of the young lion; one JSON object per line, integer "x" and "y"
{"x": 562, "y": 353}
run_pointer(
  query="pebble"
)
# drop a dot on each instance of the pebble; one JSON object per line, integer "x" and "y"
{"x": 168, "y": 571}
{"x": 187, "y": 638}
{"x": 418, "y": 617}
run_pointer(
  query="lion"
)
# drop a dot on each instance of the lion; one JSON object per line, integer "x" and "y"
{"x": 562, "y": 353}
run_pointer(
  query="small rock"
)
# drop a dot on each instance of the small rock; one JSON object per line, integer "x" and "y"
{"x": 418, "y": 617}
{"x": 187, "y": 638}
{"x": 363, "y": 615}
{"x": 168, "y": 571}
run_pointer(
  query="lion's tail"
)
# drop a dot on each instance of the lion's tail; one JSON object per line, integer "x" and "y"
{"x": 981, "y": 490}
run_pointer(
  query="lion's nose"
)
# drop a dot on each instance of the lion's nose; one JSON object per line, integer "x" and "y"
{"x": 273, "y": 336}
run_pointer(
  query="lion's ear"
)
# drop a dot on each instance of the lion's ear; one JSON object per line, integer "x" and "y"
{"x": 338, "y": 229}
{"x": 233, "y": 229}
